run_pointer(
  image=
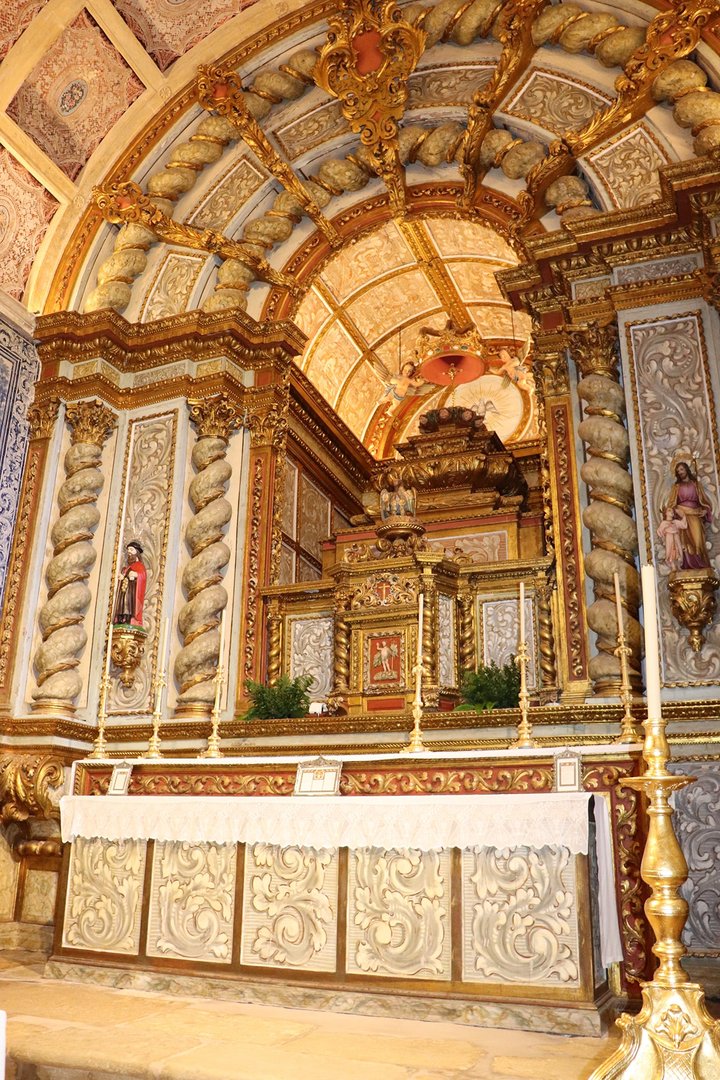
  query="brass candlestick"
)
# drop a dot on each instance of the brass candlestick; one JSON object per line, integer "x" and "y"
{"x": 416, "y": 745}
{"x": 153, "y": 750}
{"x": 673, "y": 1036}
{"x": 628, "y": 731}
{"x": 213, "y": 746}
{"x": 99, "y": 749}
{"x": 524, "y": 740}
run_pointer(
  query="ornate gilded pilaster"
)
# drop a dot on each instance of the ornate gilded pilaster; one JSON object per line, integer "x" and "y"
{"x": 467, "y": 658}
{"x": 42, "y": 417}
{"x": 430, "y": 687}
{"x": 215, "y": 419}
{"x": 68, "y": 597}
{"x": 268, "y": 425}
{"x": 608, "y": 516}
{"x": 546, "y": 641}
{"x": 562, "y": 513}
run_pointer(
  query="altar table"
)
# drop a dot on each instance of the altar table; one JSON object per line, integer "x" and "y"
{"x": 483, "y": 908}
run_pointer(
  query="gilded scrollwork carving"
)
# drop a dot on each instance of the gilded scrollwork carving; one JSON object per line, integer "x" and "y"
{"x": 30, "y": 788}
{"x": 252, "y": 581}
{"x": 693, "y": 602}
{"x": 61, "y": 617}
{"x": 199, "y": 618}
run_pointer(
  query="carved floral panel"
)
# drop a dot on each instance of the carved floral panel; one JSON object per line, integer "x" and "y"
{"x": 483, "y": 547}
{"x": 398, "y": 920}
{"x": 192, "y": 901}
{"x": 290, "y": 907}
{"x": 225, "y": 198}
{"x": 446, "y": 640}
{"x": 628, "y": 168}
{"x": 500, "y": 627}
{"x": 313, "y": 517}
{"x": 173, "y": 286}
{"x": 26, "y": 210}
{"x": 103, "y": 904}
{"x": 311, "y": 653}
{"x": 169, "y": 28}
{"x": 446, "y": 84}
{"x": 674, "y": 407}
{"x": 520, "y": 920}
{"x": 312, "y": 129}
{"x": 697, "y": 822}
{"x": 556, "y": 103}
{"x": 147, "y": 504}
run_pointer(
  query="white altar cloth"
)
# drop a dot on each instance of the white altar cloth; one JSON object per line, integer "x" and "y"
{"x": 427, "y": 822}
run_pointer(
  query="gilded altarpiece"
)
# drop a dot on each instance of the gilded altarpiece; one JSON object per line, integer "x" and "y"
{"x": 674, "y": 417}
{"x": 146, "y": 506}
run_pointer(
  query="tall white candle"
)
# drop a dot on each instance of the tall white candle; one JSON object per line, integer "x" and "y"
{"x": 652, "y": 645}
{"x": 418, "y": 672}
{"x": 618, "y": 604}
{"x": 521, "y": 638}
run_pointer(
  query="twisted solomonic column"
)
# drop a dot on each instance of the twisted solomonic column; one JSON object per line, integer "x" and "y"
{"x": 608, "y": 516}
{"x": 68, "y": 596}
{"x": 215, "y": 419}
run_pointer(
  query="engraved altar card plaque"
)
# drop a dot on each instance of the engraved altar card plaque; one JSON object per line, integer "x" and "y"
{"x": 120, "y": 778}
{"x": 319, "y": 776}
{"x": 568, "y": 774}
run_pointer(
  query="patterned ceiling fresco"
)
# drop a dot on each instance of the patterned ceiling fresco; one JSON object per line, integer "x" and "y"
{"x": 109, "y": 91}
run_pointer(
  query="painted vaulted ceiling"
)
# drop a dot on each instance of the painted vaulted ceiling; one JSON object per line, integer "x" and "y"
{"x": 106, "y": 91}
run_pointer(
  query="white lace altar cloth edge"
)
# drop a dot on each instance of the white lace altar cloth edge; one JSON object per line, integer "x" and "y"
{"x": 427, "y": 822}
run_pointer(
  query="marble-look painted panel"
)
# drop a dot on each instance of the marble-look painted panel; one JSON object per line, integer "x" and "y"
{"x": 520, "y": 919}
{"x": 398, "y": 921}
{"x": 192, "y": 901}
{"x": 674, "y": 410}
{"x": 311, "y": 653}
{"x": 104, "y": 891}
{"x": 39, "y": 893}
{"x": 290, "y": 908}
{"x": 500, "y": 623}
{"x": 446, "y": 640}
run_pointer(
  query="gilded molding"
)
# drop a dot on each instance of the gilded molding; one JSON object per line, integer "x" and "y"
{"x": 29, "y": 788}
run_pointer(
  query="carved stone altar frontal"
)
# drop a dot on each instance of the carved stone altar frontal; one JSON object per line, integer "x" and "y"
{"x": 674, "y": 411}
{"x": 104, "y": 893}
{"x": 520, "y": 917}
{"x": 311, "y": 652}
{"x": 290, "y": 908}
{"x": 398, "y": 915}
{"x": 192, "y": 901}
{"x": 499, "y": 623}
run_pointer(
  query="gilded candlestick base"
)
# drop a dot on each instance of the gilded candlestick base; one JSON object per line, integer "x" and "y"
{"x": 628, "y": 731}
{"x": 153, "y": 750}
{"x": 416, "y": 745}
{"x": 212, "y": 749}
{"x": 99, "y": 749}
{"x": 524, "y": 740}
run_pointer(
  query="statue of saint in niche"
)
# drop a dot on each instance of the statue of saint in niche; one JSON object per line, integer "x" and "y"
{"x": 131, "y": 588}
{"x": 692, "y": 511}
{"x": 395, "y": 499}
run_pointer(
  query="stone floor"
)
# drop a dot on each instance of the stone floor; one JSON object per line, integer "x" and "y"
{"x": 66, "y": 1031}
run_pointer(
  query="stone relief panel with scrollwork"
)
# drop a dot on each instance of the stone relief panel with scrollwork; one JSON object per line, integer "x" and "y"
{"x": 697, "y": 818}
{"x": 290, "y": 907}
{"x": 628, "y": 168}
{"x": 222, "y": 202}
{"x": 555, "y": 103}
{"x": 446, "y": 640}
{"x": 314, "y": 128}
{"x": 311, "y": 653}
{"x": 674, "y": 418}
{"x": 499, "y": 622}
{"x": 446, "y": 84}
{"x": 147, "y": 503}
{"x": 192, "y": 902}
{"x": 656, "y": 268}
{"x": 173, "y": 286}
{"x": 520, "y": 921}
{"x": 103, "y": 908}
{"x": 399, "y": 913}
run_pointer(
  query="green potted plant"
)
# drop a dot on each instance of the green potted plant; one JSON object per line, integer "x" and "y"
{"x": 281, "y": 699}
{"x": 490, "y": 687}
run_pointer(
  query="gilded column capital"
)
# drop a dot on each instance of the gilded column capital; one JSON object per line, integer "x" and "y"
{"x": 594, "y": 349}
{"x": 41, "y": 418}
{"x": 215, "y": 417}
{"x": 90, "y": 422}
{"x": 551, "y": 370}
{"x": 269, "y": 427}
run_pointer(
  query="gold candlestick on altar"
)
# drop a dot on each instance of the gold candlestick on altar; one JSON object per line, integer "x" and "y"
{"x": 524, "y": 740}
{"x": 99, "y": 749}
{"x": 213, "y": 746}
{"x": 416, "y": 745}
{"x": 673, "y": 1036}
{"x": 628, "y": 731}
{"x": 159, "y": 684}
